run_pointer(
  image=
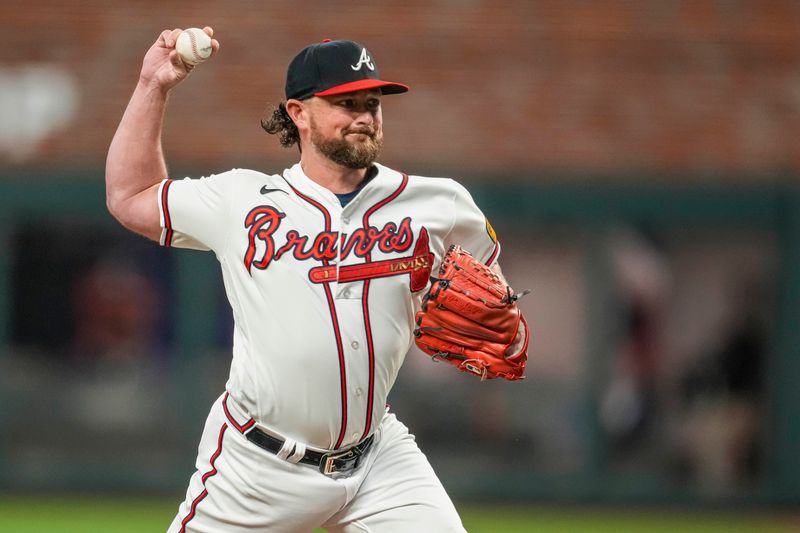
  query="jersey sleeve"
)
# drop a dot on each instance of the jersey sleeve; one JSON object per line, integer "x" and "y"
{"x": 193, "y": 213}
{"x": 471, "y": 229}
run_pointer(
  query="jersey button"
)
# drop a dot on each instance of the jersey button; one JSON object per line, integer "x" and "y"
{"x": 354, "y": 344}
{"x": 359, "y": 392}
{"x": 346, "y": 220}
{"x": 346, "y": 294}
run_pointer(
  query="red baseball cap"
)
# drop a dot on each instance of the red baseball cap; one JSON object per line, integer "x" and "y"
{"x": 335, "y": 67}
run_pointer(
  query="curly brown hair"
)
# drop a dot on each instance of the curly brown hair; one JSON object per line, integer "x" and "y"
{"x": 281, "y": 124}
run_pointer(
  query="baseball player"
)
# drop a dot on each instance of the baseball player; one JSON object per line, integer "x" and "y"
{"x": 324, "y": 265}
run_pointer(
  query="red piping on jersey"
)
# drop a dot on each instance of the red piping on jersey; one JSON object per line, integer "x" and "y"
{"x": 494, "y": 253}
{"x": 334, "y": 319}
{"x": 207, "y": 475}
{"x": 240, "y": 428}
{"x": 342, "y": 373}
{"x": 365, "y": 307}
{"x": 165, "y": 211}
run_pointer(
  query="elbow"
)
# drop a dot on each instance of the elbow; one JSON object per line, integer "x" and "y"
{"x": 110, "y": 205}
{"x": 118, "y": 200}
{"x": 112, "y": 197}
{"x": 121, "y": 211}
{"x": 137, "y": 213}
{"x": 118, "y": 206}
{"x": 114, "y": 206}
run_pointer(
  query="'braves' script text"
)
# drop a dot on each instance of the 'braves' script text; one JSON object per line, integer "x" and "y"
{"x": 262, "y": 223}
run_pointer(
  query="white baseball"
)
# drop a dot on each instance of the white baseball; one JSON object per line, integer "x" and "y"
{"x": 194, "y": 46}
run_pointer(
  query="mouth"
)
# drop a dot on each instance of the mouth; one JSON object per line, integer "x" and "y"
{"x": 368, "y": 134}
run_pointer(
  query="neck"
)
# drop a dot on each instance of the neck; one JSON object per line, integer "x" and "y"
{"x": 334, "y": 177}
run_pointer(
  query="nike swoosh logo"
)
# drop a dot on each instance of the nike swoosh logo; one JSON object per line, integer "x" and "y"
{"x": 266, "y": 190}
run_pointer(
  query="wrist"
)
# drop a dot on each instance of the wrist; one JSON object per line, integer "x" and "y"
{"x": 151, "y": 88}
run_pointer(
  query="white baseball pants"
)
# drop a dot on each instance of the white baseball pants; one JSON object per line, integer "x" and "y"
{"x": 240, "y": 487}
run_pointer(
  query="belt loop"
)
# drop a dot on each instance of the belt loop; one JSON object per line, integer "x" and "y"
{"x": 287, "y": 449}
{"x": 299, "y": 452}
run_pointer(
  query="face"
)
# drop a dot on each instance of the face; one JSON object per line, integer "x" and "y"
{"x": 347, "y": 128}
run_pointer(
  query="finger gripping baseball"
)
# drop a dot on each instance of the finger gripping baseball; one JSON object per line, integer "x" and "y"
{"x": 469, "y": 319}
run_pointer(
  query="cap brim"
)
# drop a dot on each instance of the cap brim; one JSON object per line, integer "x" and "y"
{"x": 386, "y": 87}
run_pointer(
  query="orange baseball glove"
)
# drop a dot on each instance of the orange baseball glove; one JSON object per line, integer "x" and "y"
{"x": 470, "y": 319}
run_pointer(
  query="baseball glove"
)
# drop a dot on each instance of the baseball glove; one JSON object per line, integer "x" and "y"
{"x": 470, "y": 319}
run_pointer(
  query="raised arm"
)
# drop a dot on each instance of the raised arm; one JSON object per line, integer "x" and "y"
{"x": 135, "y": 163}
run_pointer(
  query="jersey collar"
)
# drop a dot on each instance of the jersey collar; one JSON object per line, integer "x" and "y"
{"x": 298, "y": 179}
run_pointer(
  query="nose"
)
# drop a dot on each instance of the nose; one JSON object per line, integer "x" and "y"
{"x": 365, "y": 118}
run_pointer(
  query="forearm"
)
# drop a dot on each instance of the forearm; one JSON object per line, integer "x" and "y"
{"x": 135, "y": 158}
{"x": 135, "y": 162}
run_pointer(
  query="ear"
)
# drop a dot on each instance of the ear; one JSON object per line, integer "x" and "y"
{"x": 298, "y": 112}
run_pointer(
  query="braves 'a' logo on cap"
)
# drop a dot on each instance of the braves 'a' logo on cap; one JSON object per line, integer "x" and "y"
{"x": 363, "y": 60}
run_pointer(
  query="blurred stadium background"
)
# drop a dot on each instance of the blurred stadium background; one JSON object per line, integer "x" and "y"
{"x": 639, "y": 161}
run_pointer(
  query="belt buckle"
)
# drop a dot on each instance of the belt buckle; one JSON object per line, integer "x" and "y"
{"x": 331, "y": 463}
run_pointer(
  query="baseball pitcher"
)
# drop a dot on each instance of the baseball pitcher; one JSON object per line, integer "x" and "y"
{"x": 332, "y": 267}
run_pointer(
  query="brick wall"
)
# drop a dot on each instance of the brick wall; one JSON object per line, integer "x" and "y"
{"x": 612, "y": 89}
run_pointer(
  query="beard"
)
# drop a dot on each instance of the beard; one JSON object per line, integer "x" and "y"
{"x": 347, "y": 154}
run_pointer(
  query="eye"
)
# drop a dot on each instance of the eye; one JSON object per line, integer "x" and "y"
{"x": 347, "y": 103}
{"x": 373, "y": 104}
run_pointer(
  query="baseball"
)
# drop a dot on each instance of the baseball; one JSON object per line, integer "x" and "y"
{"x": 194, "y": 46}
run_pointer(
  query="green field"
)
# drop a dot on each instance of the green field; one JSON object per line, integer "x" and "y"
{"x": 85, "y": 515}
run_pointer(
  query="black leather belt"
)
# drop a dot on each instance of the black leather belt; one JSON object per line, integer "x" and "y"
{"x": 329, "y": 463}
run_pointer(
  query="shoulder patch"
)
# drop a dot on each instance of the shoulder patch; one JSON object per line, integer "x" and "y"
{"x": 491, "y": 232}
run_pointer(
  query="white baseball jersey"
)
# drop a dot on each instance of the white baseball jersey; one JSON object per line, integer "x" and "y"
{"x": 323, "y": 297}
